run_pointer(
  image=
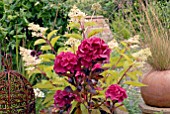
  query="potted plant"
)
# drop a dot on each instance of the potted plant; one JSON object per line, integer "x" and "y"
{"x": 156, "y": 35}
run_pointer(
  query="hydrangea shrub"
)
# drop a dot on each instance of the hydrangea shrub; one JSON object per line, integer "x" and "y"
{"x": 83, "y": 71}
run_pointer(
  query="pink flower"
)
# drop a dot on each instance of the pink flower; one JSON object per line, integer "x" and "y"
{"x": 116, "y": 93}
{"x": 96, "y": 66}
{"x": 63, "y": 98}
{"x": 92, "y": 50}
{"x": 65, "y": 61}
{"x": 79, "y": 76}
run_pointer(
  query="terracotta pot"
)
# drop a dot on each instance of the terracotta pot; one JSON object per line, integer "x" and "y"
{"x": 157, "y": 93}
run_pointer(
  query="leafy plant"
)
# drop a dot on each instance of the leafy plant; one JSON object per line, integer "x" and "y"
{"x": 89, "y": 85}
{"x": 17, "y": 14}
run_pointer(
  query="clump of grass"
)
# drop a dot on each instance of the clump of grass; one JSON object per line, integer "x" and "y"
{"x": 156, "y": 37}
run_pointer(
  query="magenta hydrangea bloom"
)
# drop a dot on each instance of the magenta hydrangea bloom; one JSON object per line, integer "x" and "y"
{"x": 65, "y": 61}
{"x": 91, "y": 50}
{"x": 116, "y": 93}
{"x": 63, "y": 98}
{"x": 96, "y": 66}
{"x": 79, "y": 76}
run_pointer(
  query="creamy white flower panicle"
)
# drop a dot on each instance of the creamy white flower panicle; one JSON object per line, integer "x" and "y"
{"x": 38, "y": 93}
{"x": 72, "y": 41}
{"x": 134, "y": 46}
{"x": 142, "y": 55}
{"x": 29, "y": 60}
{"x": 113, "y": 44}
{"x": 133, "y": 40}
{"x": 76, "y": 15}
{"x": 37, "y": 30}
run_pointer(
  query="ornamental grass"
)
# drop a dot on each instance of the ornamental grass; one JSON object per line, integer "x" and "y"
{"x": 156, "y": 37}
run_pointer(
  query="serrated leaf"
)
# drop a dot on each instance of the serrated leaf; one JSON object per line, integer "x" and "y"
{"x": 39, "y": 41}
{"x": 74, "y": 35}
{"x": 54, "y": 40}
{"x": 134, "y": 83}
{"x": 49, "y": 36}
{"x": 45, "y": 48}
{"x": 94, "y": 32}
{"x": 83, "y": 109}
{"x": 105, "y": 109}
{"x": 95, "y": 111}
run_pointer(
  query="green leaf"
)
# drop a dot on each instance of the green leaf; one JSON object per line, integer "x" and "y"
{"x": 54, "y": 40}
{"x": 49, "y": 97}
{"x": 83, "y": 109}
{"x": 133, "y": 83}
{"x": 89, "y": 23}
{"x": 74, "y": 25}
{"x": 49, "y": 103}
{"x": 134, "y": 74}
{"x": 39, "y": 41}
{"x": 19, "y": 36}
{"x": 45, "y": 48}
{"x": 127, "y": 64}
{"x": 126, "y": 57}
{"x": 73, "y": 105}
{"x": 121, "y": 107}
{"x": 95, "y": 111}
{"x": 44, "y": 84}
{"x": 47, "y": 56}
{"x": 51, "y": 34}
{"x": 94, "y": 32}
{"x": 74, "y": 35}
{"x": 105, "y": 109}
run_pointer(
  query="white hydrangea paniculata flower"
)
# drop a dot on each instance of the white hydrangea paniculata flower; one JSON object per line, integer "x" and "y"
{"x": 29, "y": 60}
{"x": 37, "y": 31}
{"x": 72, "y": 41}
{"x": 142, "y": 56}
{"x": 113, "y": 44}
{"x": 133, "y": 40}
{"x": 76, "y": 15}
{"x": 38, "y": 93}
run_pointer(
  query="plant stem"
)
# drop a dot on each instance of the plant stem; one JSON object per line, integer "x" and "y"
{"x": 124, "y": 74}
{"x": 83, "y": 30}
{"x": 56, "y": 15}
{"x": 48, "y": 42}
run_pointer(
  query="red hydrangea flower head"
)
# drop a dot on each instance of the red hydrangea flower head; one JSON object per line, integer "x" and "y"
{"x": 62, "y": 98}
{"x": 91, "y": 50}
{"x": 116, "y": 93}
{"x": 65, "y": 61}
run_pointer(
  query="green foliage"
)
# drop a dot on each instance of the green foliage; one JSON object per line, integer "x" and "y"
{"x": 121, "y": 29}
{"x": 15, "y": 15}
{"x": 131, "y": 103}
{"x": 122, "y": 65}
